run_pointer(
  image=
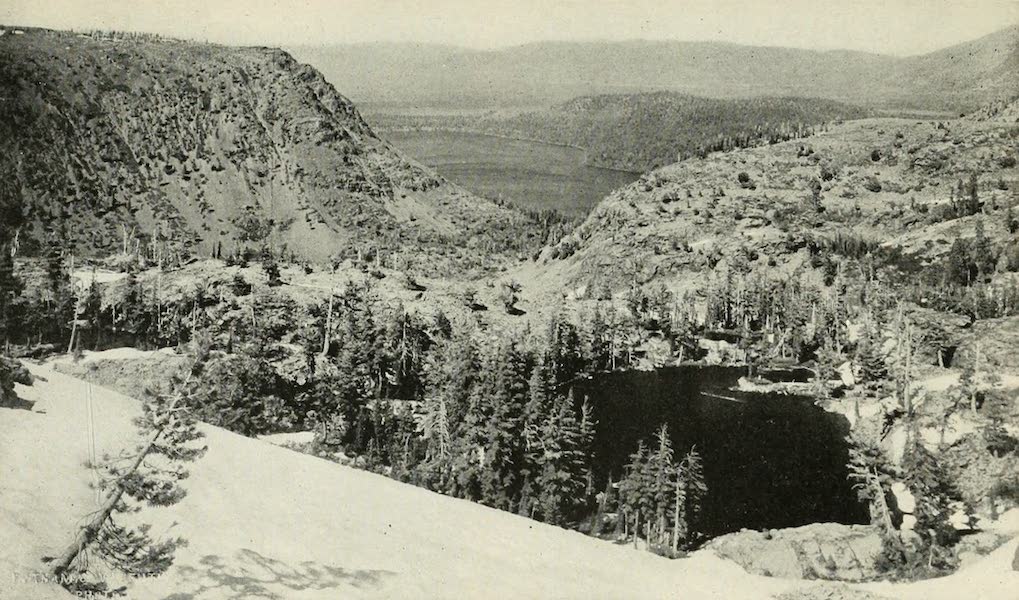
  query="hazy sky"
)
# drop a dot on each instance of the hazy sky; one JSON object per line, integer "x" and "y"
{"x": 889, "y": 26}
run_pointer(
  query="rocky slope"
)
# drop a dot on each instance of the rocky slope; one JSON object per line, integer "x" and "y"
{"x": 879, "y": 181}
{"x": 111, "y": 140}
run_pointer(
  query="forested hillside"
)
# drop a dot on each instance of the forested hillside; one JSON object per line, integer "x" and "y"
{"x": 117, "y": 141}
{"x": 639, "y": 132}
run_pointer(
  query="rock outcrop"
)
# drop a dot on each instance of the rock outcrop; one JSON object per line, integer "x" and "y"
{"x": 816, "y": 551}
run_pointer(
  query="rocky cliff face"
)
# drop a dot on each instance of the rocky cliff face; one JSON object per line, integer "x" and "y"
{"x": 109, "y": 140}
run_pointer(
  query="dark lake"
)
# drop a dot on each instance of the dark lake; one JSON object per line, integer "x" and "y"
{"x": 770, "y": 461}
{"x": 531, "y": 174}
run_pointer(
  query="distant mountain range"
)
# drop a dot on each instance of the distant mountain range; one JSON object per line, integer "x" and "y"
{"x": 958, "y": 78}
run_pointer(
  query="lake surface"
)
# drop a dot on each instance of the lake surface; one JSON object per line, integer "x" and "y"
{"x": 531, "y": 174}
{"x": 770, "y": 461}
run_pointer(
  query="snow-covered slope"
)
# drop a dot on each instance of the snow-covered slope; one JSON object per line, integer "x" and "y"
{"x": 266, "y": 522}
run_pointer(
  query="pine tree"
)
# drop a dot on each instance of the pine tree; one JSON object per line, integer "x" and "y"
{"x": 972, "y": 200}
{"x": 134, "y": 316}
{"x": 959, "y": 268}
{"x": 11, "y": 288}
{"x": 238, "y": 392}
{"x": 149, "y": 474}
{"x": 504, "y": 393}
{"x": 436, "y": 429}
{"x": 563, "y": 351}
{"x": 691, "y": 491}
{"x": 586, "y": 444}
{"x": 563, "y": 478}
{"x": 359, "y": 372}
{"x": 998, "y": 408}
{"x": 536, "y": 414}
{"x": 631, "y": 489}
{"x": 594, "y": 345}
{"x": 815, "y": 195}
{"x": 451, "y": 371}
{"x": 663, "y": 489}
{"x": 982, "y": 253}
{"x": 436, "y": 434}
{"x": 870, "y": 357}
{"x": 60, "y": 296}
{"x": 935, "y": 493}
{"x": 872, "y": 476}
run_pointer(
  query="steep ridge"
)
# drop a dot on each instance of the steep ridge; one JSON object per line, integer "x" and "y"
{"x": 541, "y": 74}
{"x": 119, "y": 139}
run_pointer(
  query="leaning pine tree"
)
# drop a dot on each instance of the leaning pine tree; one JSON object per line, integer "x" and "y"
{"x": 149, "y": 474}
{"x": 872, "y": 476}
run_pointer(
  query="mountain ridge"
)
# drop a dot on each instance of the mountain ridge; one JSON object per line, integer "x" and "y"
{"x": 544, "y": 73}
{"x": 187, "y": 145}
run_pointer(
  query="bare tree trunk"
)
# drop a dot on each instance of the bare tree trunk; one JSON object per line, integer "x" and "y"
{"x": 906, "y": 391}
{"x": 74, "y": 330}
{"x": 976, "y": 374}
{"x": 675, "y": 516}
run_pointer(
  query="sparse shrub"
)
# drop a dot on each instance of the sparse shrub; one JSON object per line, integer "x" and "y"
{"x": 469, "y": 298}
{"x": 11, "y": 372}
{"x": 272, "y": 272}
{"x": 745, "y": 181}
{"x": 999, "y": 441}
{"x": 872, "y": 184}
{"x": 410, "y": 283}
{"x": 1012, "y": 258}
{"x": 509, "y": 296}
{"x": 240, "y": 286}
{"x": 815, "y": 195}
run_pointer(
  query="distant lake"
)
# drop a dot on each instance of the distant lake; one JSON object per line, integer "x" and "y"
{"x": 531, "y": 174}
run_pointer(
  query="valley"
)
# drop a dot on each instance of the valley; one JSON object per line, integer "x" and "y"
{"x": 438, "y": 351}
